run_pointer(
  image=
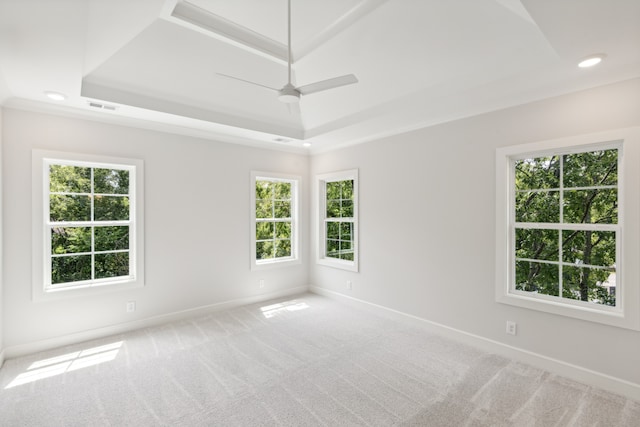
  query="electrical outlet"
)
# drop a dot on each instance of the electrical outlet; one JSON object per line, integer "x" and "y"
{"x": 348, "y": 285}
{"x": 261, "y": 284}
{"x": 511, "y": 327}
{"x": 131, "y": 306}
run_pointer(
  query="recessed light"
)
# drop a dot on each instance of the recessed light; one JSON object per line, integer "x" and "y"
{"x": 591, "y": 60}
{"x": 306, "y": 144}
{"x": 56, "y": 96}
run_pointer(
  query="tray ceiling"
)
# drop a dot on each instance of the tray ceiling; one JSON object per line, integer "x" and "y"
{"x": 418, "y": 62}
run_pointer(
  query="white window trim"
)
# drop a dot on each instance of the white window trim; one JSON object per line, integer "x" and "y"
{"x": 627, "y": 312}
{"x": 41, "y": 290}
{"x": 295, "y": 258}
{"x": 321, "y": 181}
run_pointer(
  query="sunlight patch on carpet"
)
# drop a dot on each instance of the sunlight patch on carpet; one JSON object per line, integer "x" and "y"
{"x": 273, "y": 310}
{"x": 67, "y": 362}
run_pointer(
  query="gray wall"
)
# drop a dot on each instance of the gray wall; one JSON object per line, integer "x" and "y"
{"x": 427, "y": 226}
{"x": 197, "y": 241}
{"x": 1, "y": 246}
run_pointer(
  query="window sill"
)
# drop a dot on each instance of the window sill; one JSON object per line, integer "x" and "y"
{"x": 267, "y": 265}
{"x": 611, "y": 317}
{"x": 66, "y": 292}
{"x": 336, "y": 263}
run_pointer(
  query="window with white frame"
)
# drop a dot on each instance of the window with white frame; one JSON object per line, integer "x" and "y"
{"x": 87, "y": 229}
{"x": 338, "y": 223}
{"x": 274, "y": 227}
{"x": 560, "y": 230}
{"x": 566, "y": 225}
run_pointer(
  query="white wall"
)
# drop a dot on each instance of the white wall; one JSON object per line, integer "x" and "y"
{"x": 197, "y": 240}
{"x": 427, "y": 226}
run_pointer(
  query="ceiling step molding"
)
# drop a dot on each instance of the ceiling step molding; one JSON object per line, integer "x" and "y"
{"x": 223, "y": 28}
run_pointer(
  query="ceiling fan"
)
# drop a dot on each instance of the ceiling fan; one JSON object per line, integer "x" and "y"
{"x": 290, "y": 93}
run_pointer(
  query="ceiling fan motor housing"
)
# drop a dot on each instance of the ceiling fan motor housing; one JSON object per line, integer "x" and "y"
{"x": 289, "y": 94}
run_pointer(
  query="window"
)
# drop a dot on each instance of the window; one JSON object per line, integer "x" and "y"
{"x": 274, "y": 228}
{"x": 88, "y": 224}
{"x": 566, "y": 225}
{"x": 560, "y": 230}
{"x": 338, "y": 225}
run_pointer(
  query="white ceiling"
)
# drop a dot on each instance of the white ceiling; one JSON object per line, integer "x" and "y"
{"x": 418, "y": 62}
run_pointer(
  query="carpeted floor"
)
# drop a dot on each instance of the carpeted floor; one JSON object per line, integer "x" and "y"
{"x": 304, "y": 361}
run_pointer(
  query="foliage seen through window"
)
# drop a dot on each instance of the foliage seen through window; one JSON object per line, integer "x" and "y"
{"x": 566, "y": 212}
{"x": 273, "y": 219}
{"x": 89, "y": 223}
{"x": 339, "y": 219}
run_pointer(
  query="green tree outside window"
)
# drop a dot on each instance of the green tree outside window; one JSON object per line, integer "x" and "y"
{"x": 339, "y": 223}
{"x": 274, "y": 205}
{"x": 566, "y": 209}
{"x": 89, "y": 213}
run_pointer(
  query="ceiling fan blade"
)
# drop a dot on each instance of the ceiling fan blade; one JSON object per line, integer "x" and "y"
{"x": 247, "y": 81}
{"x": 327, "y": 84}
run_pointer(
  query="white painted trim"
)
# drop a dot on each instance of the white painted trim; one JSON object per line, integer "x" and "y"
{"x": 627, "y": 313}
{"x": 224, "y": 29}
{"x": 296, "y": 221}
{"x": 2, "y": 357}
{"x": 206, "y": 130}
{"x": 321, "y": 181}
{"x": 199, "y": 19}
{"x": 40, "y": 161}
{"x": 78, "y": 337}
{"x": 555, "y": 366}
{"x": 244, "y": 127}
{"x": 343, "y": 22}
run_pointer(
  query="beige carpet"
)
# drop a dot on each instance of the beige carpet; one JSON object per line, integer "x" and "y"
{"x": 304, "y": 361}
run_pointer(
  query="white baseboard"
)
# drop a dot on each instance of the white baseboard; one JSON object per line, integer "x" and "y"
{"x": 78, "y": 337}
{"x": 577, "y": 373}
